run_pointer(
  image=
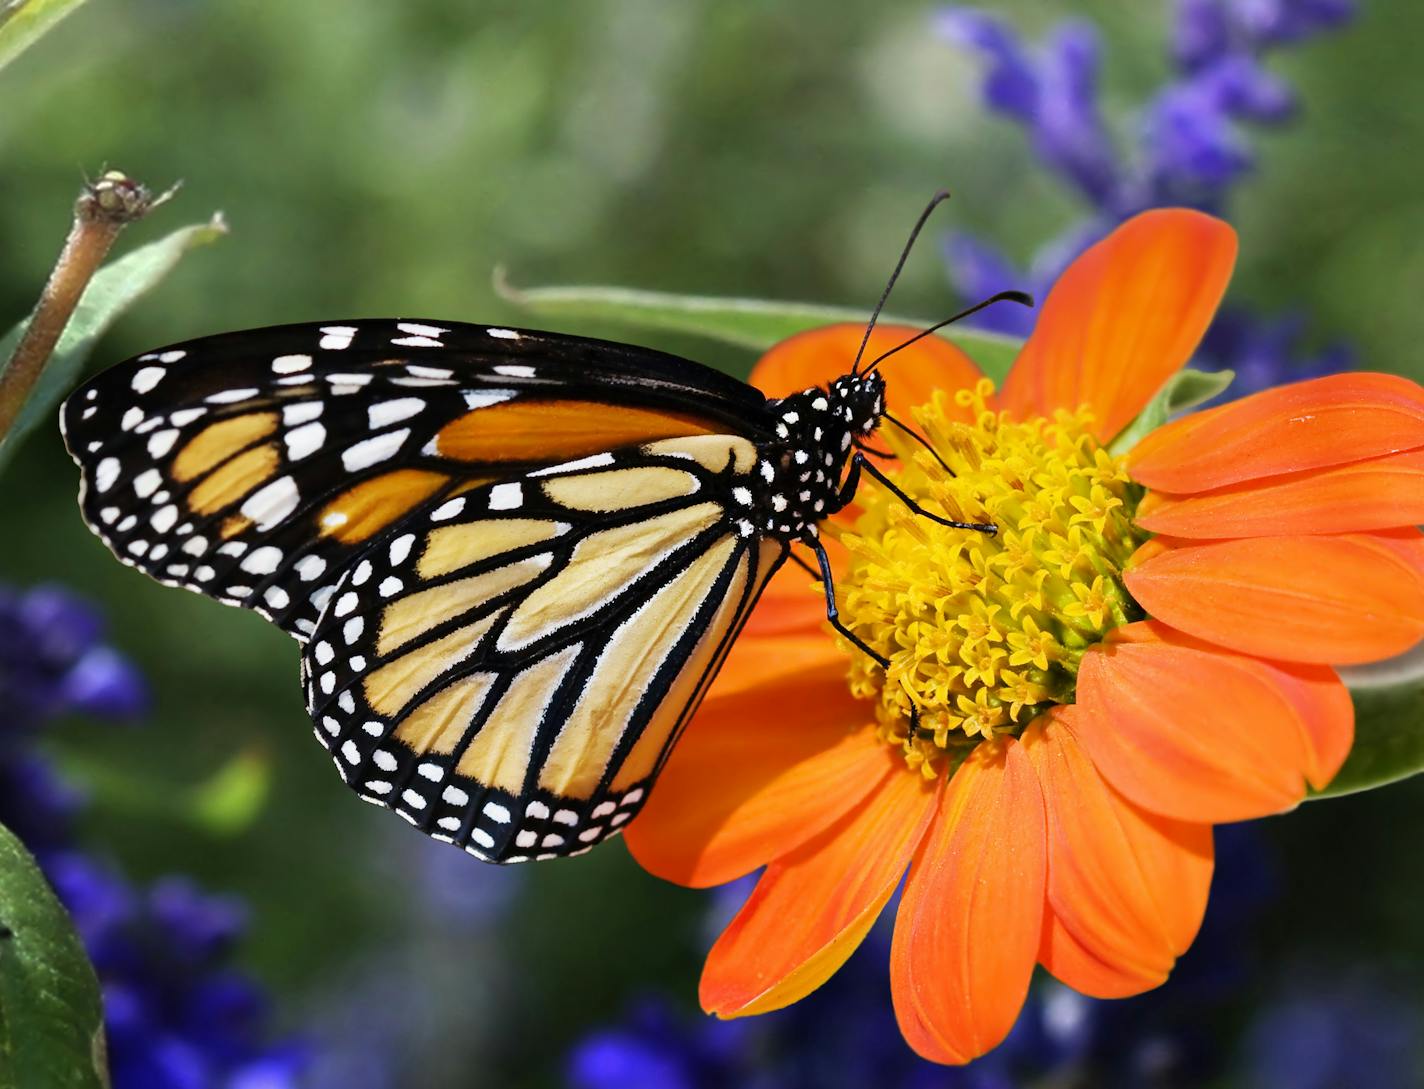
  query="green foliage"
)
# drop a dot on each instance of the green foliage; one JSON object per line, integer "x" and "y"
{"x": 24, "y": 22}
{"x": 233, "y": 797}
{"x": 746, "y": 323}
{"x": 51, "y": 1023}
{"x": 1389, "y": 726}
{"x": 115, "y": 288}
{"x": 1185, "y": 389}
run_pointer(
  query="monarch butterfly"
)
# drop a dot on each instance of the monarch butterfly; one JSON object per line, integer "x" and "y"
{"x": 514, "y": 560}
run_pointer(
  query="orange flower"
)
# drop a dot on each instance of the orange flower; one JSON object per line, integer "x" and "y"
{"x": 1097, "y": 685}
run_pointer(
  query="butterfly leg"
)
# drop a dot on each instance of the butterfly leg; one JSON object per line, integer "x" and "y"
{"x": 833, "y": 615}
{"x": 860, "y": 463}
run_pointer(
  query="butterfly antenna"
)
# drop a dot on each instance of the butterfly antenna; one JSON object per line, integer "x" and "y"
{"x": 919, "y": 439}
{"x": 938, "y": 199}
{"x": 1020, "y": 297}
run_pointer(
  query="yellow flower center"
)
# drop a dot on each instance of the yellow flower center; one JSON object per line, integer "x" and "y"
{"x": 983, "y": 633}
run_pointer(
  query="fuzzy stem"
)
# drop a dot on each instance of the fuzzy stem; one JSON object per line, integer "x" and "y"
{"x": 103, "y": 210}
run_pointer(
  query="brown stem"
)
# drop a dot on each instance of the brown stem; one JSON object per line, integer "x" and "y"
{"x": 104, "y": 209}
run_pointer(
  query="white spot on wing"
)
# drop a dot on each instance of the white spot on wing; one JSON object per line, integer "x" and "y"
{"x": 503, "y": 334}
{"x": 290, "y": 364}
{"x": 305, "y": 440}
{"x": 370, "y": 451}
{"x": 336, "y": 337}
{"x": 161, "y": 442}
{"x": 384, "y": 413}
{"x": 147, "y": 482}
{"x": 145, "y": 378}
{"x": 231, "y": 396}
{"x": 271, "y": 504}
{"x": 416, "y": 370}
{"x": 506, "y": 496}
{"x": 514, "y": 370}
{"x": 301, "y": 413}
{"x": 400, "y": 548}
{"x": 263, "y": 561}
{"x": 416, "y": 329}
{"x": 483, "y": 398}
{"x": 106, "y": 473}
{"x": 590, "y": 462}
{"x": 439, "y": 514}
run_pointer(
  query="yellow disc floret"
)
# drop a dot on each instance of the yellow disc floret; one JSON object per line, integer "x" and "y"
{"x": 983, "y": 632}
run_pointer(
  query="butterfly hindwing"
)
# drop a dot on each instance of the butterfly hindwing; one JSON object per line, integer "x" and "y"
{"x": 511, "y": 670}
{"x": 257, "y": 467}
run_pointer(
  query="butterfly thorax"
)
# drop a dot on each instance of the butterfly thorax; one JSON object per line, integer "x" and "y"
{"x": 802, "y": 467}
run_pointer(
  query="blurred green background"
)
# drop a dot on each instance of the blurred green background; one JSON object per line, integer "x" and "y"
{"x": 381, "y": 159}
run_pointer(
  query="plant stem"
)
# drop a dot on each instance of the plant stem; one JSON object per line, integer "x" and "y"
{"x": 104, "y": 208}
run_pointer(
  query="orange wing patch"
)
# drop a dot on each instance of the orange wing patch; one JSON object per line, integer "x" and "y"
{"x": 236, "y": 477}
{"x": 372, "y": 505}
{"x": 529, "y": 430}
{"x": 217, "y": 442}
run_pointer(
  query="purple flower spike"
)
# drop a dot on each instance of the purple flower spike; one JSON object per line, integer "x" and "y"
{"x": 980, "y": 270}
{"x": 1010, "y": 85}
{"x": 1201, "y": 34}
{"x": 1068, "y": 130}
{"x": 1267, "y": 23}
{"x": 1191, "y": 141}
{"x": 176, "y": 1016}
{"x": 105, "y": 684}
{"x": 53, "y": 663}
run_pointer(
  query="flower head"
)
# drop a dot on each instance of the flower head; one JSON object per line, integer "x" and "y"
{"x": 1142, "y": 651}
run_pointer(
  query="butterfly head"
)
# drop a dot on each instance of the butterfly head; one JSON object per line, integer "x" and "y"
{"x": 859, "y": 401}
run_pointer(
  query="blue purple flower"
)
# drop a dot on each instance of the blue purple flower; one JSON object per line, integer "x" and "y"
{"x": 177, "y": 1016}
{"x": 1188, "y": 144}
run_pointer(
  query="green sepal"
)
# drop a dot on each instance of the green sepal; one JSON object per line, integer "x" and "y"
{"x": 1389, "y": 725}
{"x": 1185, "y": 389}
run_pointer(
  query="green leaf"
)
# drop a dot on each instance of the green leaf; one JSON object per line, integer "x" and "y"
{"x": 747, "y": 323}
{"x": 1389, "y": 725}
{"x": 115, "y": 288}
{"x": 1185, "y": 389}
{"x": 24, "y": 22}
{"x": 51, "y": 1018}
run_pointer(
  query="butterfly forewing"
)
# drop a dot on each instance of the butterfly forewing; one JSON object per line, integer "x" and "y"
{"x": 511, "y": 670}
{"x": 257, "y": 467}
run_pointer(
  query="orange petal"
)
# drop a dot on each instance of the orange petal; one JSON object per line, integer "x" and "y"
{"x": 1071, "y": 963}
{"x": 1404, "y": 543}
{"x": 1376, "y": 494}
{"x": 1188, "y": 733}
{"x": 807, "y": 661}
{"x": 967, "y": 932}
{"x": 1308, "y": 425}
{"x": 1130, "y": 887}
{"x": 1333, "y": 600}
{"x": 812, "y": 907}
{"x": 1326, "y": 713}
{"x": 1123, "y": 318}
{"x": 819, "y": 356}
{"x": 1322, "y": 703}
{"x": 758, "y": 772}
